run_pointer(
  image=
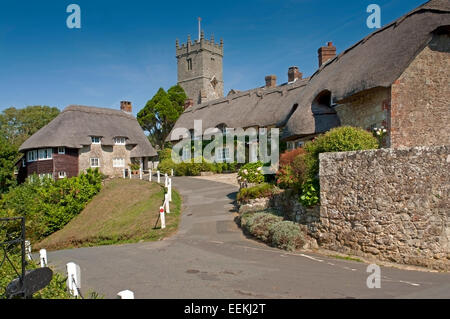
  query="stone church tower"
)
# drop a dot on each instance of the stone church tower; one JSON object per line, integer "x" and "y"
{"x": 200, "y": 70}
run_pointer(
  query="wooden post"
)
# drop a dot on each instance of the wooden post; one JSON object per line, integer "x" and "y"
{"x": 171, "y": 172}
{"x": 169, "y": 190}
{"x": 166, "y": 203}
{"x": 163, "y": 219}
{"x": 126, "y": 294}
{"x": 43, "y": 257}
{"x": 165, "y": 180}
{"x": 140, "y": 173}
{"x": 124, "y": 174}
{"x": 159, "y": 176}
{"x": 150, "y": 175}
{"x": 73, "y": 278}
{"x": 129, "y": 172}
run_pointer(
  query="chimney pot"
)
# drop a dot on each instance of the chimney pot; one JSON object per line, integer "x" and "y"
{"x": 326, "y": 53}
{"x": 126, "y": 106}
{"x": 271, "y": 81}
{"x": 294, "y": 74}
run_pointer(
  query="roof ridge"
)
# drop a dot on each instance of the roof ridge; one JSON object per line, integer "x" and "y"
{"x": 97, "y": 110}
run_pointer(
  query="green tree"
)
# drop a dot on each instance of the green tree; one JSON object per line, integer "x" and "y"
{"x": 8, "y": 157}
{"x": 16, "y": 125}
{"x": 160, "y": 114}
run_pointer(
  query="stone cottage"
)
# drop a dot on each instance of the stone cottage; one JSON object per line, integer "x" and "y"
{"x": 83, "y": 137}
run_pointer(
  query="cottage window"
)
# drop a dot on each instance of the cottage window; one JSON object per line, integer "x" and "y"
{"x": 45, "y": 175}
{"x": 95, "y": 139}
{"x": 32, "y": 156}
{"x": 223, "y": 155}
{"x": 45, "y": 154}
{"x": 62, "y": 175}
{"x": 119, "y": 140}
{"x": 61, "y": 150}
{"x": 23, "y": 163}
{"x": 118, "y": 162}
{"x": 95, "y": 162}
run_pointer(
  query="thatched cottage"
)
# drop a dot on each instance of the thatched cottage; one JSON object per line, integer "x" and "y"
{"x": 397, "y": 77}
{"x": 83, "y": 137}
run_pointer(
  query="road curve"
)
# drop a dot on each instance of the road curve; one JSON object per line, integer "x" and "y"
{"x": 209, "y": 257}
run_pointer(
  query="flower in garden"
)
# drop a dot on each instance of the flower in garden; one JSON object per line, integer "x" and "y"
{"x": 259, "y": 168}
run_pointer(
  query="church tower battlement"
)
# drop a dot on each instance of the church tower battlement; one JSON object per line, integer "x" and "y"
{"x": 200, "y": 68}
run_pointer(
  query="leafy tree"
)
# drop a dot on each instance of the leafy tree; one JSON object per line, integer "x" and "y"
{"x": 8, "y": 156}
{"x": 16, "y": 125}
{"x": 160, "y": 114}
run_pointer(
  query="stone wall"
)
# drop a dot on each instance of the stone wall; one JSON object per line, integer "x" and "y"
{"x": 393, "y": 204}
{"x": 106, "y": 154}
{"x": 420, "y": 112}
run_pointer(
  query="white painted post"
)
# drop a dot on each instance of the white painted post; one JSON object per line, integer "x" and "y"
{"x": 28, "y": 249}
{"x": 150, "y": 175}
{"x": 159, "y": 176}
{"x": 124, "y": 173}
{"x": 73, "y": 278}
{"x": 43, "y": 257}
{"x": 171, "y": 172}
{"x": 169, "y": 190}
{"x": 166, "y": 203}
{"x": 140, "y": 173}
{"x": 126, "y": 294}
{"x": 129, "y": 173}
{"x": 165, "y": 180}
{"x": 163, "y": 218}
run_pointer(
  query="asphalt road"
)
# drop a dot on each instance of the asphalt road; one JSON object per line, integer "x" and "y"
{"x": 209, "y": 257}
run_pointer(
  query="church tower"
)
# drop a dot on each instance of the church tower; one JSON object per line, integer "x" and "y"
{"x": 200, "y": 70}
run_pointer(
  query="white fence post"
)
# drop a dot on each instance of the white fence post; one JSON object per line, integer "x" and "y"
{"x": 140, "y": 173}
{"x": 73, "y": 279}
{"x": 163, "y": 218}
{"x": 165, "y": 180}
{"x": 28, "y": 249}
{"x": 171, "y": 172}
{"x": 129, "y": 172}
{"x": 43, "y": 257}
{"x": 169, "y": 190}
{"x": 126, "y": 294}
{"x": 166, "y": 203}
{"x": 159, "y": 176}
{"x": 150, "y": 175}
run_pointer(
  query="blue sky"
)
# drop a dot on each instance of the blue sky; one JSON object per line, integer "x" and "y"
{"x": 125, "y": 50}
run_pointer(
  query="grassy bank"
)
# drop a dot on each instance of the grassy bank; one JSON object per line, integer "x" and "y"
{"x": 125, "y": 211}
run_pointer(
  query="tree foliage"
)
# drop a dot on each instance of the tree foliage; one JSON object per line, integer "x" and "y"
{"x": 8, "y": 156}
{"x": 160, "y": 114}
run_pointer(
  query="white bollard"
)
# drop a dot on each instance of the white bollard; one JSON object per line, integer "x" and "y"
{"x": 28, "y": 249}
{"x": 171, "y": 172}
{"x": 159, "y": 176}
{"x": 140, "y": 173}
{"x": 165, "y": 180}
{"x": 129, "y": 173}
{"x": 73, "y": 279}
{"x": 166, "y": 203}
{"x": 124, "y": 175}
{"x": 150, "y": 175}
{"x": 126, "y": 294}
{"x": 43, "y": 257}
{"x": 169, "y": 190}
{"x": 163, "y": 218}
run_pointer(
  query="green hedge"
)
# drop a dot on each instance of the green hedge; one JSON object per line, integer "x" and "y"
{"x": 49, "y": 205}
{"x": 258, "y": 191}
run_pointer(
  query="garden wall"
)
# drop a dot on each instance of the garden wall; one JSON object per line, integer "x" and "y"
{"x": 390, "y": 203}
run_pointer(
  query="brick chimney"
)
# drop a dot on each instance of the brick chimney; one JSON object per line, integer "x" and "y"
{"x": 188, "y": 103}
{"x": 326, "y": 53}
{"x": 126, "y": 106}
{"x": 271, "y": 81}
{"x": 294, "y": 74}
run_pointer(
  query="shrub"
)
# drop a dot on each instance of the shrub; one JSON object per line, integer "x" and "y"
{"x": 340, "y": 139}
{"x": 258, "y": 224}
{"x": 292, "y": 175}
{"x": 165, "y": 154}
{"x": 258, "y": 191}
{"x": 310, "y": 193}
{"x": 286, "y": 235}
{"x": 288, "y": 157}
{"x": 49, "y": 205}
{"x": 251, "y": 173}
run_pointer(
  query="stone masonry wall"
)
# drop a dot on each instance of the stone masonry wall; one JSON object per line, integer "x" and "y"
{"x": 420, "y": 105}
{"x": 390, "y": 203}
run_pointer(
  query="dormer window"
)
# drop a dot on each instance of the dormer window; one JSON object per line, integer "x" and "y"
{"x": 95, "y": 139}
{"x": 119, "y": 140}
{"x": 61, "y": 150}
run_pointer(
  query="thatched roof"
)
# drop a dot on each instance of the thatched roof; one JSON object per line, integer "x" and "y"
{"x": 376, "y": 61}
{"x": 74, "y": 127}
{"x": 261, "y": 107}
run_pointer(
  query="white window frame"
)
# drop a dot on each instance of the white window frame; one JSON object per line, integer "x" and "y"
{"x": 61, "y": 150}
{"x": 118, "y": 162}
{"x": 98, "y": 162}
{"x": 24, "y": 162}
{"x": 119, "y": 141}
{"x": 63, "y": 175}
{"x": 95, "y": 138}
{"x": 45, "y": 154}
{"x": 32, "y": 156}
{"x": 223, "y": 154}
{"x": 44, "y": 175}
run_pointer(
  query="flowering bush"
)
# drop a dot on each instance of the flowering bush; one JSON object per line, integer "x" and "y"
{"x": 258, "y": 191}
{"x": 380, "y": 134}
{"x": 251, "y": 173}
{"x": 286, "y": 235}
{"x": 289, "y": 156}
{"x": 292, "y": 175}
